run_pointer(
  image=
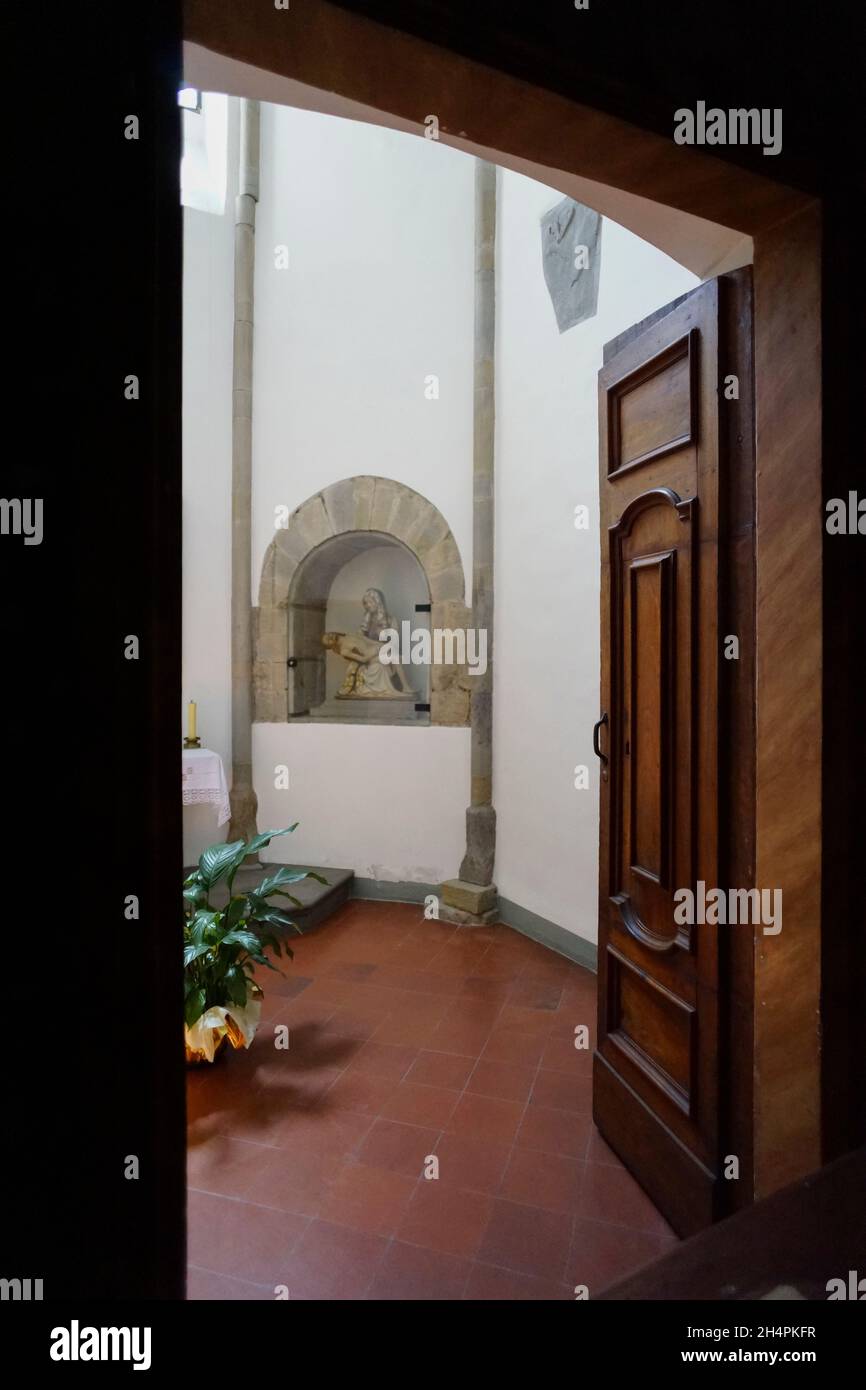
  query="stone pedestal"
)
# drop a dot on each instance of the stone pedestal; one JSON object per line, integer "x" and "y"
{"x": 468, "y": 904}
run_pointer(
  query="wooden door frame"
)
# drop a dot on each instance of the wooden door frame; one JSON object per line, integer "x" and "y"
{"x": 691, "y": 1191}
{"x": 335, "y": 50}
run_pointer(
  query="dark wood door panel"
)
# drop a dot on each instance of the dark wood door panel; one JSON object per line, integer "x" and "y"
{"x": 659, "y": 1062}
{"x": 651, "y": 715}
{"x": 651, "y": 410}
{"x": 681, "y": 1185}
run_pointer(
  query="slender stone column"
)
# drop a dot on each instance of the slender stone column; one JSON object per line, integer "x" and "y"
{"x": 472, "y": 897}
{"x": 243, "y": 799}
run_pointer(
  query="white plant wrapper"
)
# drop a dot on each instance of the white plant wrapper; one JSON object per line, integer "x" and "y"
{"x": 204, "y": 1035}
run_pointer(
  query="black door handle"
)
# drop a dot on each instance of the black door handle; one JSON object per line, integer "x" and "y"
{"x": 595, "y": 732}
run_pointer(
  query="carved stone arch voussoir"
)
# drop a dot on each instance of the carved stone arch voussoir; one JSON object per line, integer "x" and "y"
{"x": 365, "y": 508}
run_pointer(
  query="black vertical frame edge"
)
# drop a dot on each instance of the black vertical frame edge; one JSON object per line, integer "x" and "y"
{"x": 144, "y": 314}
{"x": 93, "y": 1073}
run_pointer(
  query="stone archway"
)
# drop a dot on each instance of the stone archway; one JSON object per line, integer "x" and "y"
{"x": 301, "y": 560}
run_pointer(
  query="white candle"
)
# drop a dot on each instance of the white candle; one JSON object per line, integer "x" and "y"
{"x": 191, "y": 721}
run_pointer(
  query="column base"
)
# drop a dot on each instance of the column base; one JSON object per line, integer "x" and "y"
{"x": 469, "y": 904}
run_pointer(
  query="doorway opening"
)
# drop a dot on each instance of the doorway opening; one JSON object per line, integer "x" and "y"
{"x": 406, "y": 1028}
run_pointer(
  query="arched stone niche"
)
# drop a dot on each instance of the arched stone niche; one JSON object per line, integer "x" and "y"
{"x": 300, "y": 564}
{"x": 313, "y": 675}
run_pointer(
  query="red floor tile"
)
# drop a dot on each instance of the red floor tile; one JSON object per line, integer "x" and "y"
{"x": 561, "y": 1091}
{"x": 334, "y": 1262}
{"x": 203, "y": 1286}
{"x": 551, "y": 1181}
{"x": 599, "y": 1151}
{"x": 470, "y": 1162}
{"x": 501, "y": 1080}
{"x": 520, "y": 1049}
{"x": 485, "y": 1118}
{"x": 411, "y": 1040}
{"x": 447, "y": 1069}
{"x": 347, "y": 970}
{"x": 227, "y": 1167}
{"x": 601, "y": 1254}
{"x": 402, "y": 1148}
{"x": 487, "y": 1283}
{"x": 298, "y": 1183}
{"x": 322, "y": 1131}
{"x": 611, "y": 1194}
{"x": 555, "y": 1131}
{"x": 368, "y": 1199}
{"x": 402, "y": 1031}
{"x": 354, "y": 1090}
{"x": 241, "y": 1240}
{"x": 454, "y": 1035}
{"x": 479, "y": 987}
{"x": 413, "y": 1273}
{"x": 432, "y": 1106}
{"x": 560, "y": 1054}
{"x": 442, "y": 1217}
{"x": 527, "y": 1239}
{"x": 482, "y": 1013}
{"x": 352, "y": 1023}
{"x": 383, "y": 1059}
{"x": 518, "y": 1019}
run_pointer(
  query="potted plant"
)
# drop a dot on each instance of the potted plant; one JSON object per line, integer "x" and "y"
{"x": 223, "y": 945}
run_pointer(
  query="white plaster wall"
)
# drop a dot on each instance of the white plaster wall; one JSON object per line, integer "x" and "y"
{"x": 547, "y": 573}
{"x": 360, "y": 801}
{"x": 208, "y": 261}
{"x": 377, "y": 297}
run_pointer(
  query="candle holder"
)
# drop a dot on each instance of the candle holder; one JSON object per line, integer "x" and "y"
{"x": 192, "y": 743}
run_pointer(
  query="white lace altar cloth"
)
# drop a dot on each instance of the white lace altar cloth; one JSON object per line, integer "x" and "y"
{"x": 203, "y": 779}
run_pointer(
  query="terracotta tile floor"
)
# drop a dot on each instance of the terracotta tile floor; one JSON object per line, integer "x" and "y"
{"x": 412, "y": 1044}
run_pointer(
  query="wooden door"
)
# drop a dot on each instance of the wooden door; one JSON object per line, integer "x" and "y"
{"x": 661, "y": 1082}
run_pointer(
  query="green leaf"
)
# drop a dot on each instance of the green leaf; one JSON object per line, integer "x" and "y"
{"x": 263, "y": 960}
{"x": 236, "y": 985}
{"x": 274, "y": 917}
{"x": 279, "y": 892}
{"x": 259, "y": 841}
{"x": 236, "y": 910}
{"x": 247, "y": 939}
{"x": 285, "y": 875}
{"x": 217, "y": 860}
{"x": 192, "y": 952}
{"x": 194, "y": 1007}
{"x": 201, "y": 923}
{"x": 196, "y": 894}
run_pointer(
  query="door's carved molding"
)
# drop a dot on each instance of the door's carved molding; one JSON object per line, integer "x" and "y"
{"x": 653, "y": 497}
{"x": 675, "y": 428}
{"x": 676, "y": 1019}
{"x": 623, "y": 570}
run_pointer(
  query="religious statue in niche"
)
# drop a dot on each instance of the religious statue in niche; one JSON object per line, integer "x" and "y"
{"x": 367, "y": 678}
{"x": 571, "y": 258}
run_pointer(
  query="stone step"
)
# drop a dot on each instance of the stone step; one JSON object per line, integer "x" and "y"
{"x": 318, "y": 900}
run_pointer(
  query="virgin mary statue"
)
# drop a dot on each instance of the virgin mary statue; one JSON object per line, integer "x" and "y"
{"x": 366, "y": 677}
